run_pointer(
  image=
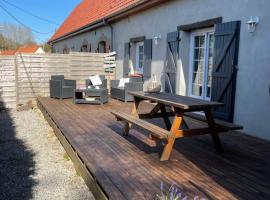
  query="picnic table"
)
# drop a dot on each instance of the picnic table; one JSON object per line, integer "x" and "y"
{"x": 177, "y": 106}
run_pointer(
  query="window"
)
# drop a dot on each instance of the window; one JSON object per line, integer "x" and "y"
{"x": 201, "y": 64}
{"x": 84, "y": 48}
{"x": 102, "y": 47}
{"x": 139, "y": 58}
{"x": 65, "y": 51}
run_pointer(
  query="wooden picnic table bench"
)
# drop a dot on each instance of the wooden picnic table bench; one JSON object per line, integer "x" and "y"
{"x": 179, "y": 107}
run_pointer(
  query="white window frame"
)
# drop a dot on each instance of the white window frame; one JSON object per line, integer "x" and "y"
{"x": 136, "y": 67}
{"x": 200, "y": 32}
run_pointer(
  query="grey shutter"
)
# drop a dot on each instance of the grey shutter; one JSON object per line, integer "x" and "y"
{"x": 225, "y": 62}
{"x": 170, "y": 69}
{"x": 126, "y": 59}
{"x": 147, "y": 64}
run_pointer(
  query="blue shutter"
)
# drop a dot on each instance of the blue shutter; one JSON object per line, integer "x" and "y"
{"x": 147, "y": 64}
{"x": 170, "y": 69}
{"x": 224, "y": 75}
{"x": 126, "y": 59}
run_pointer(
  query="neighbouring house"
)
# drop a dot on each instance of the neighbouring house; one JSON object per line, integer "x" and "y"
{"x": 30, "y": 49}
{"x": 23, "y": 49}
{"x": 7, "y": 52}
{"x": 207, "y": 49}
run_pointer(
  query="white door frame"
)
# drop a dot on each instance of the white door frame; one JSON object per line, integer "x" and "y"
{"x": 191, "y": 57}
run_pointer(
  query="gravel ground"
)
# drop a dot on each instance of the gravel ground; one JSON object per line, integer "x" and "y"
{"x": 33, "y": 164}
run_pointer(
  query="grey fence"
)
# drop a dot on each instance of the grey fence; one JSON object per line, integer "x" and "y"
{"x": 26, "y": 76}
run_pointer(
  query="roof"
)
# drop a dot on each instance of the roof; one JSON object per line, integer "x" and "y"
{"x": 24, "y": 49}
{"x": 90, "y": 11}
{"x": 28, "y": 49}
{"x": 8, "y": 52}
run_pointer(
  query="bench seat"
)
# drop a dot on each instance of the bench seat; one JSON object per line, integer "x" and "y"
{"x": 154, "y": 130}
{"x": 222, "y": 124}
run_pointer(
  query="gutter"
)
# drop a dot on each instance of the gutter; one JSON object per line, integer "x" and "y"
{"x": 106, "y": 21}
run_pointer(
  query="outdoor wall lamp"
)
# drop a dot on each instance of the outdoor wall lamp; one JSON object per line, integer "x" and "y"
{"x": 157, "y": 39}
{"x": 252, "y": 23}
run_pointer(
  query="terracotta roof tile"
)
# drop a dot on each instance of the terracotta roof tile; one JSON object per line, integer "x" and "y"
{"x": 28, "y": 49}
{"x": 24, "y": 49}
{"x": 89, "y": 11}
{"x": 8, "y": 52}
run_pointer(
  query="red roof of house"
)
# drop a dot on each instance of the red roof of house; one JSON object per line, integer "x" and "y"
{"x": 8, "y": 52}
{"x": 28, "y": 49}
{"x": 24, "y": 49}
{"x": 89, "y": 11}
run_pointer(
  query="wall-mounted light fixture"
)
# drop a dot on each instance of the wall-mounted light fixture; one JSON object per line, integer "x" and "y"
{"x": 157, "y": 39}
{"x": 252, "y": 23}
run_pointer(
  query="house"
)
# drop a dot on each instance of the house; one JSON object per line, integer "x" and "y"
{"x": 7, "y": 52}
{"x": 30, "y": 49}
{"x": 212, "y": 50}
{"x": 24, "y": 49}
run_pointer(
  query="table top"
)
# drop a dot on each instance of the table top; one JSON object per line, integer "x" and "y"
{"x": 178, "y": 101}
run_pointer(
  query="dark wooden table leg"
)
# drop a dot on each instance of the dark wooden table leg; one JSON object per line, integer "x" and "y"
{"x": 166, "y": 118}
{"x": 134, "y": 112}
{"x": 214, "y": 132}
{"x": 184, "y": 125}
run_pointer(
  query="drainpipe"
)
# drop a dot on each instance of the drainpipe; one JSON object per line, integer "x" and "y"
{"x": 111, "y": 27}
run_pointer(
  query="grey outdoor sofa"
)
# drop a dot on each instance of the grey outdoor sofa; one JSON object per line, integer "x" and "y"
{"x": 61, "y": 88}
{"x": 121, "y": 93}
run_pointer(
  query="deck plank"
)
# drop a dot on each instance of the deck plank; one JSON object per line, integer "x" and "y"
{"x": 129, "y": 167}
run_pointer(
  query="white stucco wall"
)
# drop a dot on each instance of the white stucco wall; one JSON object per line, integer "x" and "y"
{"x": 252, "y": 107}
{"x": 39, "y": 50}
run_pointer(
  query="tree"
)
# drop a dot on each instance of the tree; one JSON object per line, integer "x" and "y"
{"x": 7, "y": 44}
{"x": 13, "y": 36}
{"x": 47, "y": 48}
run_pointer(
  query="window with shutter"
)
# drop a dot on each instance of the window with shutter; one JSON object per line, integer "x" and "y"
{"x": 225, "y": 62}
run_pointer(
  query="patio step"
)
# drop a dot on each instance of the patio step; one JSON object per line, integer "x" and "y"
{"x": 155, "y": 131}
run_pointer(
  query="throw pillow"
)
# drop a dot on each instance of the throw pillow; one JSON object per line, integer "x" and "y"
{"x": 95, "y": 80}
{"x": 121, "y": 83}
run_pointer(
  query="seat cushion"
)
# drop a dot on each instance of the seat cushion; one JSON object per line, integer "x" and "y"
{"x": 67, "y": 87}
{"x": 118, "y": 88}
{"x": 94, "y": 87}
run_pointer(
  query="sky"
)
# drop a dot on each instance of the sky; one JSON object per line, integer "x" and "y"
{"x": 55, "y": 11}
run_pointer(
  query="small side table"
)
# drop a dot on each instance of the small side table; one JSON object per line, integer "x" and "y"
{"x": 90, "y": 96}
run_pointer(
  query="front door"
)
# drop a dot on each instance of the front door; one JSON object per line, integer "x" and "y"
{"x": 201, "y": 64}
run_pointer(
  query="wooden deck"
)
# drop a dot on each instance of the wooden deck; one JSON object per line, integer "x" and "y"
{"x": 129, "y": 167}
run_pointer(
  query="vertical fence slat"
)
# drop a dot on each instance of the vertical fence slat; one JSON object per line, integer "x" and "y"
{"x": 16, "y": 80}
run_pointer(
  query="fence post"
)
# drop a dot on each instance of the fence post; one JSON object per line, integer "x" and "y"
{"x": 16, "y": 80}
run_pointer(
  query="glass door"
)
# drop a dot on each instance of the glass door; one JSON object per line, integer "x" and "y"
{"x": 139, "y": 58}
{"x": 201, "y": 64}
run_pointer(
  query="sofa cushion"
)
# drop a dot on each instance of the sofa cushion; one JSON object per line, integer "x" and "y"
{"x": 136, "y": 75}
{"x": 93, "y": 87}
{"x": 95, "y": 80}
{"x": 122, "y": 82}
